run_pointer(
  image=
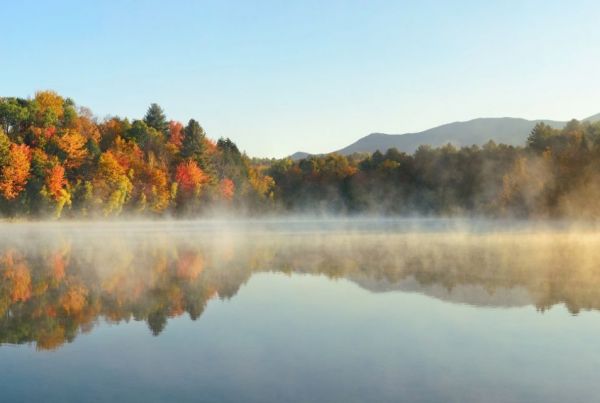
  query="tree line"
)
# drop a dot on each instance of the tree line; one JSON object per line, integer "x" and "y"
{"x": 57, "y": 159}
{"x": 555, "y": 174}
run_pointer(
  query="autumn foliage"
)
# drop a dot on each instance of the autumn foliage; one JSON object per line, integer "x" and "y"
{"x": 189, "y": 176}
{"x": 56, "y": 181}
{"x": 57, "y": 159}
{"x": 72, "y": 143}
{"x": 175, "y": 133}
{"x": 227, "y": 188}
{"x": 16, "y": 172}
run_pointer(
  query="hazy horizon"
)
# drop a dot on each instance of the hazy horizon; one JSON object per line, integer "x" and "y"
{"x": 279, "y": 78}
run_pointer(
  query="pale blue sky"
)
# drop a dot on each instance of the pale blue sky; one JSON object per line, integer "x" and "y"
{"x": 282, "y": 76}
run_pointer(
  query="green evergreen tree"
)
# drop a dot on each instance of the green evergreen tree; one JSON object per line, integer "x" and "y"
{"x": 155, "y": 118}
{"x": 540, "y": 136}
{"x": 193, "y": 142}
{"x": 139, "y": 132}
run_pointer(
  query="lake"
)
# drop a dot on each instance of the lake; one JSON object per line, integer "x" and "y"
{"x": 297, "y": 310}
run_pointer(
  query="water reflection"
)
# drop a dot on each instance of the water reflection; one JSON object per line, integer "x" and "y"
{"x": 56, "y": 283}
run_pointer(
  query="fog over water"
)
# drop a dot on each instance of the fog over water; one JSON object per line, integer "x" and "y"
{"x": 300, "y": 302}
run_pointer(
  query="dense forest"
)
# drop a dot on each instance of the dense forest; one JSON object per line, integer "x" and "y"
{"x": 58, "y": 160}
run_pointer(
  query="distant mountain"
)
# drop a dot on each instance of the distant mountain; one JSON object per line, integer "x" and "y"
{"x": 593, "y": 118}
{"x": 299, "y": 155}
{"x": 513, "y": 131}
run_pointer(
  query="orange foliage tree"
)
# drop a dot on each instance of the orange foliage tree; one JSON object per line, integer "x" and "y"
{"x": 189, "y": 176}
{"x": 55, "y": 188}
{"x": 16, "y": 172}
{"x": 56, "y": 181}
{"x": 175, "y": 133}
{"x": 87, "y": 127}
{"x": 227, "y": 188}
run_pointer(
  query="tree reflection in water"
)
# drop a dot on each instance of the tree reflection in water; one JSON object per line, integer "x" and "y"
{"x": 55, "y": 284}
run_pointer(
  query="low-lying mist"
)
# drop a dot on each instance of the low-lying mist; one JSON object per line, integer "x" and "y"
{"x": 60, "y": 278}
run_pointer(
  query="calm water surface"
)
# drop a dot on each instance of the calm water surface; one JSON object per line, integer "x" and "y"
{"x": 299, "y": 311}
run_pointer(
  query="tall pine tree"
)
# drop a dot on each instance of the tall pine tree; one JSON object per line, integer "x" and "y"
{"x": 155, "y": 118}
{"x": 193, "y": 142}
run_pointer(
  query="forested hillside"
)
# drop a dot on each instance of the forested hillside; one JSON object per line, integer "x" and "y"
{"x": 58, "y": 160}
{"x": 556, "y": 174}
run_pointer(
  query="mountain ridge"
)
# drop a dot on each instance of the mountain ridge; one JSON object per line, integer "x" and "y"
{"x": 506, "y": 130}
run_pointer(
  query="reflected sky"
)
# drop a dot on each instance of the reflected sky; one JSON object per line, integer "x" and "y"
{"x": 307, "y": 312}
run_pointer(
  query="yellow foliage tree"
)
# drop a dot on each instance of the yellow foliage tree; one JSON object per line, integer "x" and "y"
{"x": 49, "y": 102}
{"x": 112, "y": 184}
{"x": 72, "y": 143}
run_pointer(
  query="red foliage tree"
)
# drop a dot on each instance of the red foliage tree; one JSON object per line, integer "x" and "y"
{"x": 189, "y": 176}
